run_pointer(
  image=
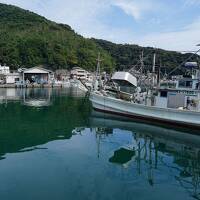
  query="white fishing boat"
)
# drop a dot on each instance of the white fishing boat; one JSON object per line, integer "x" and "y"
{"x": 178, "y": 106}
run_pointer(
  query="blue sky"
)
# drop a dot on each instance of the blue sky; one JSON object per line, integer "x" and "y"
{"x": 168, "y": 24}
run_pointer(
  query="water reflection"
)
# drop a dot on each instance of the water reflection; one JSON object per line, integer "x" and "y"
{"x": 157, "y": 152}
{"x": 22, "y": 127}
{"x": 122, "y": 156}
{"x": 36, "y": 97}
{"x": 105, "y": 157}
{"x": 10, "y": 94}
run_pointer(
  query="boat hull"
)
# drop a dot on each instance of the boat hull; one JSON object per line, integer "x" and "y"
{"x": 150, "y": 114}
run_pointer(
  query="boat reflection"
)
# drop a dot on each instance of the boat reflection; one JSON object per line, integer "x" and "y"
{"x": 122, "y": 156}
{"x": 155, "y": 151}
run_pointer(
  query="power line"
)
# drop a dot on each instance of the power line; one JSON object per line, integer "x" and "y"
{"x": 183, "y": 62}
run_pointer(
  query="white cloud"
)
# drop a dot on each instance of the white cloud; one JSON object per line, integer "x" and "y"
{"x": 82, "y": 15}
{"x": 136, "y": 8}
{"x": 183, "y": 40}
{"x": 191, "y": 2}
{"x": 130, "y": 8}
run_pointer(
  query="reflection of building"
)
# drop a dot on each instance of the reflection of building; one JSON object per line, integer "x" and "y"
{"x": 37, "y": 97}
{"x": 9, "y": 94}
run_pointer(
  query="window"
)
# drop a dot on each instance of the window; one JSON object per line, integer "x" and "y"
{"x": 163, "y": 94}
{"x": 189, "y": 84}
{"x": 185, "y": 84}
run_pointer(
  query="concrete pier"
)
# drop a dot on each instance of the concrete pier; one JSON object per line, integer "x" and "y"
{"x": 30, "y": 86}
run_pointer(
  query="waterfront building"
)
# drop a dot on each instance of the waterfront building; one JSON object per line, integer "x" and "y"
{"x": 4, "y": 70}
{"x": 81, "y": 74}
{"x": 12, "y": 78}
{"x": 62, "y": 74}
{"x": 37, "y": 75}
{"x": 6, "y": 77}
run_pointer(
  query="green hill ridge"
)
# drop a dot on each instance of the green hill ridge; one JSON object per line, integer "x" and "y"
{"x": 27, "y": 40}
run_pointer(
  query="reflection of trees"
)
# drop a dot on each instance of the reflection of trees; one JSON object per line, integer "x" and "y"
{"x": 151, "y": 158}
{"x": 23, "y": 127}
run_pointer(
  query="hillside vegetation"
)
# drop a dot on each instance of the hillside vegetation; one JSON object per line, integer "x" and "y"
{"x": 27, "y": 40}
{"x": 127, "y": 56}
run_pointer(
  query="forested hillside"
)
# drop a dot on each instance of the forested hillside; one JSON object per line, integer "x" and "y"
{"x": 126, "y": 56}
{"x": 27, "y": 40}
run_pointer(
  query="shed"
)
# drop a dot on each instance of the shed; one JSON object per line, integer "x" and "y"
{"x": 37, "y": 75}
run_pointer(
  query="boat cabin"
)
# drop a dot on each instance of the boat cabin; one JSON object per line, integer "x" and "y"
{"x": 125, "y": 81}
{"x": 188, "y": 83}
{"x": 185, "y": 95}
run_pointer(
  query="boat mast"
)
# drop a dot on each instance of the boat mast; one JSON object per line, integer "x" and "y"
{"x": 154, "y": 69}
{"x": 158, "y": 78}
{"x": 97, "y": 81}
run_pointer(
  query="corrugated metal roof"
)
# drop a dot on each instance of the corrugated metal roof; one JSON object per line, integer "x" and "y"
{"x": 125, "y": 76}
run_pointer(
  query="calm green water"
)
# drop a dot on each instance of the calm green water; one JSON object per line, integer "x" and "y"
{"x": 53, "y": 146}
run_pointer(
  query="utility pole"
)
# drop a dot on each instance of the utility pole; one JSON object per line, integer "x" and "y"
{"x": 98, "y": 71}
{"x": 142, "y": 61}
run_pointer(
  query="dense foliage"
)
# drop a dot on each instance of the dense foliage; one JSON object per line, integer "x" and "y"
{"x": 127, "y": 56}
{"x": 27, "y": 39}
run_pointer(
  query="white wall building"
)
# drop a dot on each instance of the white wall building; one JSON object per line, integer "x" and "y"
{"x": 80, "y": 73}
{"x": 12, "y": 78}
{"x": 4, "y": 70}
{"x": 37, "y": 75}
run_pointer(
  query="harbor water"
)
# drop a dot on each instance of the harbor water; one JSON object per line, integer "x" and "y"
{"x": 54, "y": 146}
